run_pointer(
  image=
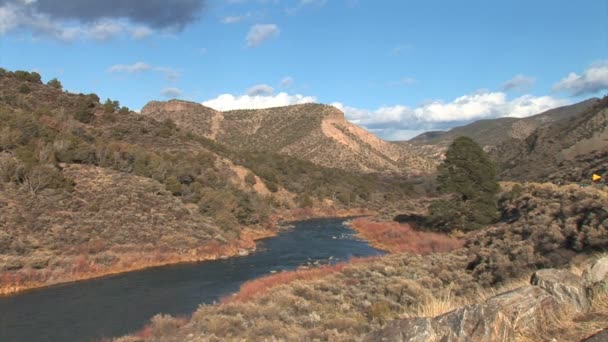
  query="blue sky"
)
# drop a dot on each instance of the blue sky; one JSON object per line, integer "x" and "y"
{"x": 396, "y": 67}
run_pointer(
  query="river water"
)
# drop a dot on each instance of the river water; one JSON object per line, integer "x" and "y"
{"x": 117, "y": 305}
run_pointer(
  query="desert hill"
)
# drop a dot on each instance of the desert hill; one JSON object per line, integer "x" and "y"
{"x": 492, "y": 132}
{"x": 567, "y": 150}
{"x": 88, "y": 189}
{"x": 313, "y": 132}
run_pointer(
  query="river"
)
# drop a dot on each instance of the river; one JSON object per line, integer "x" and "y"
{"x": 116, "y": 305}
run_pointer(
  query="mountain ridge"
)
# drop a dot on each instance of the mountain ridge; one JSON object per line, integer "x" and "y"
{"x": 491, "y": 132}
{"x": 314, "y": 132}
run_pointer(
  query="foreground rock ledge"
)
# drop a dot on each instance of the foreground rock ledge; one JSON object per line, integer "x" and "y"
{"x": 551, "y": 291}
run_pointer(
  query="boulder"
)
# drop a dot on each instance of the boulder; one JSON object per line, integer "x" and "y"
{"x": 525, "y": 304}
{"x": 596, "y": 277}
{"x": 418, "y": 329}
{"x": 478, "y": 322}
{"x": 567, "y": 288}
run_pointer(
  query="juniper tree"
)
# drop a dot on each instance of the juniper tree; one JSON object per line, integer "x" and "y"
{"x": 470, "y": 176}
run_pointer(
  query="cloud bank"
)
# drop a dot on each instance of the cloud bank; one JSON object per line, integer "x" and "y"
{"x": 591, "y": 81}
{"x": 68, "y": 20}
{"x": 403, "y": 122}
{"x": 229, "y": 102}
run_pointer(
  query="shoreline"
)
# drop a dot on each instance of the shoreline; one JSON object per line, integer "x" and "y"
{"x": 392, "y": 237}
{"x": 133, "y": 262}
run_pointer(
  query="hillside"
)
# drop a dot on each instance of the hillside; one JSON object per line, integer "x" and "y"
{"x": 345, "y": 302}
{"x": 567, "y": 150}
{"x": 492, "y": 132}
{"x": 88, "y": 189}
{"x": 312, "y": 132}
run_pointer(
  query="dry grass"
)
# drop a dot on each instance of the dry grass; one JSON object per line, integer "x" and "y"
{"x": 398, "y": 237}
{"x": 569, "y": 326}
{"x": 445, "y": 300}
{"x": 260, "y": 286}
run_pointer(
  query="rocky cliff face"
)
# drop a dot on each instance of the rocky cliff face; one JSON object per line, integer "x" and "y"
{"x": 197, "y": 118}
{"x": 313, "y": 132}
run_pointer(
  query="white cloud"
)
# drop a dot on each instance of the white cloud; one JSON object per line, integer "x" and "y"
{"x": 171, "y": 92}
{"x": 229, "y": 102}
{"x": 130, "y": 68}
{"x": 141, "y": 32}
{"x": 260, "y": 90}
{"x": 260, "y": 33}
{"x": 592, "y": 81}
{"x": 233, "y": 19}
{"x": 400, "y": 120}
{"x": 304, "y": 3}
{"x": 518, "y": 83}
{"x": 9, "y": 18}
{"x": 105, "y": 30}
{"x": 139, "y": 67}
{"x": 286, "y": 82}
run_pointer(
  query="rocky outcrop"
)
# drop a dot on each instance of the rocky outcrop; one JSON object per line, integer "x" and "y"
{"x": 567, "y": 288}
{"x": 551, "y": 292}
{"x": 596, "y": 277}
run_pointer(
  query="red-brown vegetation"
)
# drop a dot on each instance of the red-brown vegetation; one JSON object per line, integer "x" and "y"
{"x": 396, "y": 237}
{"x": 261, "y": 285}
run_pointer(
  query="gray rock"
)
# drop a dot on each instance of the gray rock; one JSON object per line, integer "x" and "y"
{"x": 491, "y": 321}
{"x": 602, "y": 336}
{"x": 596, "y": 277}
{"x": 419, "y": 329}
{"x": 525, "y": 304}
{"x": 567, "y": 288}
{"x": 478, "y": 322}
{"x": 598, "y": 272}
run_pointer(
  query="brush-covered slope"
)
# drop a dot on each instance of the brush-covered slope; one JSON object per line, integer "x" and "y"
{"x": 492, "y": 132}
{"x": 87, "y": 189}
{"x": 559, "y": 151}
{"x": 313, "y": 132}
{"x": 551, "y": 226}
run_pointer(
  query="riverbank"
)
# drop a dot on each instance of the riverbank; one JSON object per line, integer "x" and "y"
{"x": 130, "y": 258}
{"x": 394, "y": 237}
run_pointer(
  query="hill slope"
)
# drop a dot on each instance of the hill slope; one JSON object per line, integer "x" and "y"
{"x": 87, "y": 190}
{"x": 492, "y": 132}
{"x": 312, "y": 132}
{"x": 560, "y": 150}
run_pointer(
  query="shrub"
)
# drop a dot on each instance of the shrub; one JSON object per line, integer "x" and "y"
{"x": 33, "y": 77}
{"x": 93, "y": 97}
{"x": 54, "y": 83}
{"x": 84, "y": 115}
{"x": 250, "y": 179}
{"x": 111, "y": 106}
{"x": 24, "y": 89}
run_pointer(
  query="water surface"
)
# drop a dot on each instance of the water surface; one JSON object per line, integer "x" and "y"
{"x": 116, "y": 305}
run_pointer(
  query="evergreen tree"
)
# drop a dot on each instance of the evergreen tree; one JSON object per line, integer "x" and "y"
{"x": 470, "y": 176}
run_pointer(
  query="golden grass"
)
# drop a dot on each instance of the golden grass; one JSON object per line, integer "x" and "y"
{"x": 446, "y": 301}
